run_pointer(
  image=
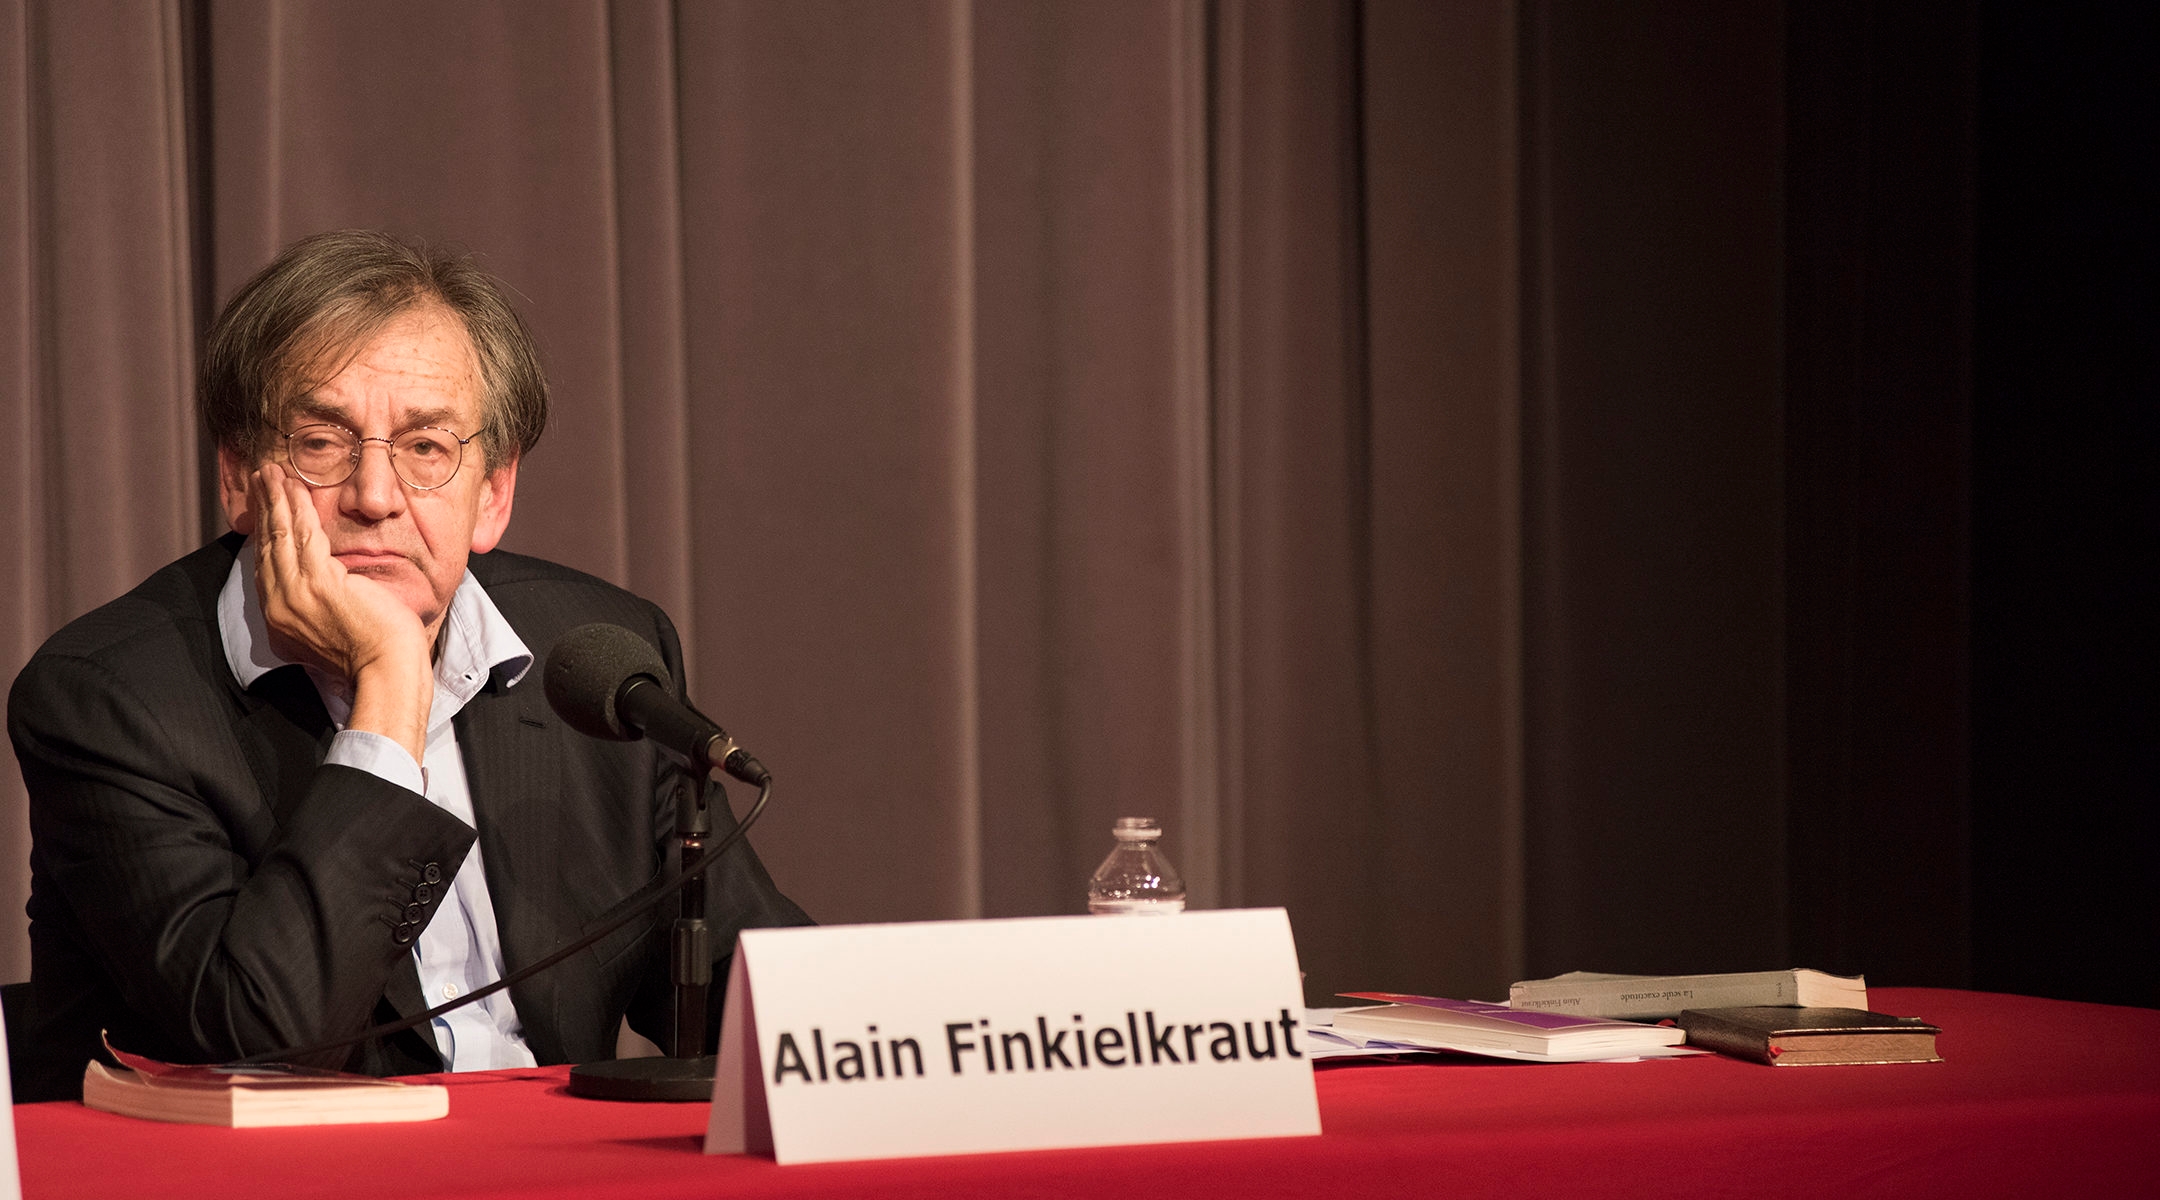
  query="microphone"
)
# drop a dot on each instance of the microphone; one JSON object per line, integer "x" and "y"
{"x": 607, "y": 682}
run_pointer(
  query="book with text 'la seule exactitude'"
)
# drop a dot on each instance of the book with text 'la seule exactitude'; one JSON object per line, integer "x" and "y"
{"x": 1655, "y": 997}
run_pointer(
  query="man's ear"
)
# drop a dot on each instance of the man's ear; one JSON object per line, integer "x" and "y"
{"x": 233, "y": 478}
{"x": 496, "y": 493}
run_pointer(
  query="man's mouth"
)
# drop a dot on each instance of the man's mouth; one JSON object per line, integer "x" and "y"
{"x": 371, "y": 560}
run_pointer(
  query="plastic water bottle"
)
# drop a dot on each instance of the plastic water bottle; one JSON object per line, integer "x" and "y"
{"x": 1136, "y": 880}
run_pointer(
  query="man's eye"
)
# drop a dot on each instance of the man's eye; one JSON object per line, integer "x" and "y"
{"x": 425, "y": 448}
{"x": 320, "y": 444}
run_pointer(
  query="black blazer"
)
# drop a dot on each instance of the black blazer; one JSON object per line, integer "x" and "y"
{"x": 204, "y": 888}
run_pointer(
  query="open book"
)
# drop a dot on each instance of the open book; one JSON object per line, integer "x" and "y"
{"x": 255, "y": 1097}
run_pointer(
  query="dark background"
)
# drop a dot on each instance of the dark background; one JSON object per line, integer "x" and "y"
{"x": 1972, "y": 517}
{"x": 2064, "y": 511}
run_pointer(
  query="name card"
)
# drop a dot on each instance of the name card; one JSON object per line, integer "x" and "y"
{"x": 957, "y": 1037}
{"x": 9, "y": 1164}
{"x": 10, "y": 1167}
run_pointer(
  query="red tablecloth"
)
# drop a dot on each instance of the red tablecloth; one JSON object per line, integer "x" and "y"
{"x": 2037, "y": 1098}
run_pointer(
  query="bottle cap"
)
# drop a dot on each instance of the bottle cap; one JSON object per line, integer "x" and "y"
{"x": 1136, "y": 829}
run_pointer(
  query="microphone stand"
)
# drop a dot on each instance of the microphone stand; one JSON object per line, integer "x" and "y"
{"x": 687, "y": 1072}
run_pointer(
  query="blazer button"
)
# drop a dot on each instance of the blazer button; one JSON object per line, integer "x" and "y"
{"x": 431, "y": 873}
{"x": 403, "y": 935}
{"x": 423, "y": 893}
{"x": 413, "y": 913}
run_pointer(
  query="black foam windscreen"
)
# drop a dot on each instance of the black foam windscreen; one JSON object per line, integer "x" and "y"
{"x": 586, "y": 671}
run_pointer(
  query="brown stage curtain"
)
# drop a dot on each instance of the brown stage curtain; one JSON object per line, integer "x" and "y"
{"x": 1033, "y": 412}
{"x": 99, "y": 474}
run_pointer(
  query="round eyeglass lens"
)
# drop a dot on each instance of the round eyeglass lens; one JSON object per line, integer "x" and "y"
{"x": 323, "y": 454}
{"x": 426, "y": 458}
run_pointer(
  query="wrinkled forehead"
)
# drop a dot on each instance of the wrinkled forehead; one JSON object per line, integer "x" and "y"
{"x": 415, "y": 368}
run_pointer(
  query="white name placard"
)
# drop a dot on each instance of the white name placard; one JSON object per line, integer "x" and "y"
{"x": 955, "y": 1037}
{"x": 10, "y": 1168}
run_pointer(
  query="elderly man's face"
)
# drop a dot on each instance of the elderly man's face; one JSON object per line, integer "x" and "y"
{"x": 419, "y": 370}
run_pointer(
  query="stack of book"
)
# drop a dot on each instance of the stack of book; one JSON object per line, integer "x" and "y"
{"x": 1798, "y": 1017}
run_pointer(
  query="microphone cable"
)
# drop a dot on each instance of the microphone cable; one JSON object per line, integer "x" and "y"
{"x": 610, "y": 921}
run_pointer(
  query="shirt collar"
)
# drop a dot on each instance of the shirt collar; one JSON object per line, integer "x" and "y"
{"x": 477, "y": 641}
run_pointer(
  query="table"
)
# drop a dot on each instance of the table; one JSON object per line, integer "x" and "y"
{"x": 2037, "y": 1097}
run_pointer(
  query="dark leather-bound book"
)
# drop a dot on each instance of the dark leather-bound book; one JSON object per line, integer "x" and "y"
{"x": 1797, "y": 1037}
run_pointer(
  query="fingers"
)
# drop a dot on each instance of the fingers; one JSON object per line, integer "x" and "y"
{"x": 294, "y": 572}
{"x": 276, "y": 560}
{"x": 311, "y": 550}
{"x": 288, "y": 524}
{"x": 258, "y": 501}
{"x": 271, "y": 527}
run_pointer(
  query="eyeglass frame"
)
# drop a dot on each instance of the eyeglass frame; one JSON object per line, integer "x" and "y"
{"x": 390, "y": 444}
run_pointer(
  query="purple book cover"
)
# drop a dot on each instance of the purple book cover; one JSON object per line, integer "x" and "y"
{"x": 1528, "y": 1018}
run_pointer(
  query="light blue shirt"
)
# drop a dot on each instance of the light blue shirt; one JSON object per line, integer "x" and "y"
{"x": 461, "y": 948}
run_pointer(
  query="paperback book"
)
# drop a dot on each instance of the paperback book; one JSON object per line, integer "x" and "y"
{"x": 256, "y": 1096}
{"x": 1433, "y": 1023}
{"x": 1657, "y": 997}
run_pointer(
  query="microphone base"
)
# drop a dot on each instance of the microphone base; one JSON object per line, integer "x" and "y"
{"x": 673, "y": 1079}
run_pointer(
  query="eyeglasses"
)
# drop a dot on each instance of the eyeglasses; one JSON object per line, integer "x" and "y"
{"x": 425, "y": 458}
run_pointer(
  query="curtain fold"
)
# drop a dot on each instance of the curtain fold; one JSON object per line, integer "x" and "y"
{"x": 1653, "y": 488}
{"x": 97, "y": 357}
{"x": 25, "y": 615}
{"x": 1444, "y": 353}
{"x": 1091, "y": 415}
{"x": 828, "y": 331}
{"x": 650, "y": 367}
{"x": 1299, "y": 575}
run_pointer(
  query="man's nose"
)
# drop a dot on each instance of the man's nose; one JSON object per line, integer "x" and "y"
{"x": 373, "y": 491}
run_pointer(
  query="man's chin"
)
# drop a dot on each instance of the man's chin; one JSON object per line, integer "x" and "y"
{"x": 402, "y": 578}
{"x": 405, "y": 581}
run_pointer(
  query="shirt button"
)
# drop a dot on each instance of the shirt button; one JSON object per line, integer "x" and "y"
{"x": 449, "y": 991}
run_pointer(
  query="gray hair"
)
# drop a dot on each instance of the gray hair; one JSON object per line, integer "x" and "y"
{"x": 294, "y": 325}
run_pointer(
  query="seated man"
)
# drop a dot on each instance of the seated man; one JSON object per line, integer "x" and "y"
{"x": 304, "y": 780}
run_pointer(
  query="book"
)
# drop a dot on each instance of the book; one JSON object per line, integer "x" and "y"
{"x": 1656, "y": 997}
{"x": 1429, "y": 1022}
{"x": 1787, "y": 1036}
{"x": 255, "y": 1097}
